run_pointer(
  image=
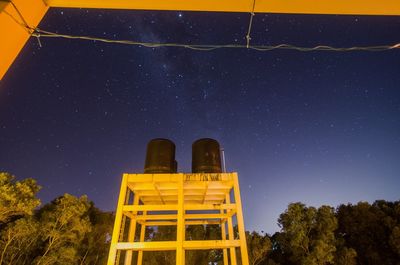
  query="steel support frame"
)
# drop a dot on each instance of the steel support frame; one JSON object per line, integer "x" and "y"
{"x": 354, "y": 7}
{"x": 12, "y": 27}
{"x": 185, "y": 188}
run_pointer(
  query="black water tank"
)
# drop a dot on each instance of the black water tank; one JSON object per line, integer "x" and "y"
{"x": 206, "y": 156}
{"x": 160, "y": 157}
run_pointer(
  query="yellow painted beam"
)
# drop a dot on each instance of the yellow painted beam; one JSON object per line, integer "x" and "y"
{"x": 210, "y": 244}
{"x": 142, "y": 237}
{"x": 172, "y": 179}
{"x": 132, "y": 229}
{"x": 338, "y": 7}
{"x": 209, "y": 206}
{"x": 223, "y": 237}
{"x": 180, "y": 229}
{"x": 187, "y": 216}
{"x": 147, "y": 246}
{"x": 145, "y": 207}
{"x": 172, "y": 245}
{"x": 231, "y": 236}
{"x": 174, "y": 207}
{"x": 14, "y": 35}
{"x": 210, "y": 215}
{"x": 170, "y": 199}
{"x": 156, "y": 217}
{"x": 158, "y": 223}
{"x": 240, "y": 223}
{"x": 174, "y": 223}
{"x": 355, "y": 7}
{"x": 117, "y": 222}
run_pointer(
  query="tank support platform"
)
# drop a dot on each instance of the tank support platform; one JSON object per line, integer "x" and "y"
{"x": 179, "y": 199}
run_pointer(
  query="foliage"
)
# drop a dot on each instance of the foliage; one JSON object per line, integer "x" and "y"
{"x": 163, "y": 233}
{"x": 193, "y": 232}
{"x": 371, "y": 230}
{"x": 346, "y": 256}
{"x": 394, "y": 240}
{"x": 94, "y": 248}
{"x": 307, "y": 235}
{"x": 258, "y": 246}
{"x": 18, "y": 241}
{"x": 64, "y": 224}
{"x": 17, "y": 198}
{"x": 196, "y": 232}
{"x": 68, "y": 230}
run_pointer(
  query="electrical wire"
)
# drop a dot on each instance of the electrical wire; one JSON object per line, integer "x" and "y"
{"x": 38, "y": 33}
{"x": 252, "y": 14}
{"x": 210, "y": 47}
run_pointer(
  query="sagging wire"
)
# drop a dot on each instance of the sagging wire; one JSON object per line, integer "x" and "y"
{"x": 210, "y": 47}
{"x": 38, "y": 33}
{"x": 48, "y": 34}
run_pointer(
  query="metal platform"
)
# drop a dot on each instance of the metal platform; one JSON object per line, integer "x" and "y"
{"x": 178, "y": 200}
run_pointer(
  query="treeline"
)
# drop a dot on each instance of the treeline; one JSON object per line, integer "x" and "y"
{"x": 362, "y": 234}
{"x": 68, "y": 230}
{"x": 71, "y": 230}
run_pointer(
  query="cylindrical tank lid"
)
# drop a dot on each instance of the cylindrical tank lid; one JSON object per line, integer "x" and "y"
{"x": 206, "y": 157}
{"x": 160, "y": 157}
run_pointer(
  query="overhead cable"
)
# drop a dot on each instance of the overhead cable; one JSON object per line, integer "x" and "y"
{"x": 38, "y": 33}
{"x": 210, "y": 47}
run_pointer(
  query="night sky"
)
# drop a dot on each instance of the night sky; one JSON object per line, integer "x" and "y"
{"x": 318, "y": 127}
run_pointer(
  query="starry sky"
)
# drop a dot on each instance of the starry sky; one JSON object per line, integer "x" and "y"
{"x": 318, "y": 127}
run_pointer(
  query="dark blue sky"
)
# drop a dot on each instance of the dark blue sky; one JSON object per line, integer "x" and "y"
{"x": 317, "y": 127}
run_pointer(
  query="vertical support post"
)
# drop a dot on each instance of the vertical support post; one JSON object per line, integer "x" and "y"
{"x": 132, "y": 232}
{"x": 180, "y": 237}
{"x": 117, "y": 223}
{"x": 223, "y": 232}
{"x": 142, "y": 234}
{"x": 239, "y": 212}
{"x": 232, "y": 251}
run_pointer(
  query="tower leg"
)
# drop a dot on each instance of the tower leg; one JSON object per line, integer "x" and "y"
{"x": 132, "y": 232}
{"x": 142, "y": 234}
{"x": 223, "y": 231}
{"x": 242, "y": 233}
{"x": 180, "y": 237}
{"x": 117, "y": 223}
{"x": 232, "y": 251}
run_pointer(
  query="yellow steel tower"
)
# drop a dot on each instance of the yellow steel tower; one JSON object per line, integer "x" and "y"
{"x": 178, "y": 199}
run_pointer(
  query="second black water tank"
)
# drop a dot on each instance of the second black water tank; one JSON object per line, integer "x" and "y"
{"x": 206, "y": 157}
{"x": 160, "y": 157}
